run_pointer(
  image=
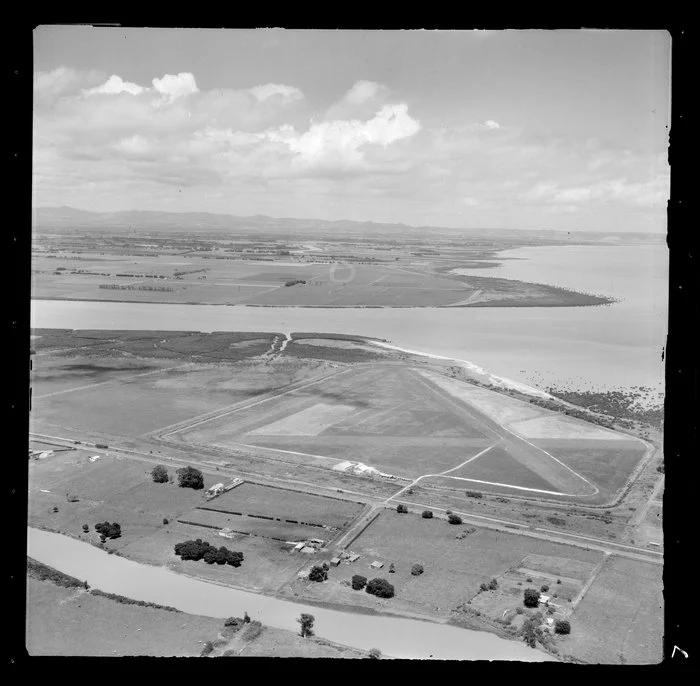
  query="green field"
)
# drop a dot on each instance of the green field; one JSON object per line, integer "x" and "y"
{"x": 621, "y": 615}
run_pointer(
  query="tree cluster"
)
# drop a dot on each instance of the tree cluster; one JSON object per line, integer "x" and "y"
{"x": 454, "y": 519}
{"x": 562, "y": 626}
{"x": 307, "y": 623}
{"x": 189, "y": 477}
{"x": 380, "y": 588}
{"x": 358, "y": 582}
{"x": 427, "y": 514}
{"x": 401, "y": 509}
{"x": 318, "y": 573}
{"x": 417, "y": 570}
{"x": 531, "y": 597}
{"x": 160, "y": 474}
{"x": 108, "y": 530}
{"x": 201, "y": 550}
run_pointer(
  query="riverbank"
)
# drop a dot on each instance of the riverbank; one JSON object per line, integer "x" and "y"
{"x": 395, "y": 637}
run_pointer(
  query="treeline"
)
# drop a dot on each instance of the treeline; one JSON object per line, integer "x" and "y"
{"x": 190, "y": 271}
{"x": 201, "y": 550}
{"x": 118, "y": 287}
{"x": 38, "y": 570}
{"x": 144, "y": 276}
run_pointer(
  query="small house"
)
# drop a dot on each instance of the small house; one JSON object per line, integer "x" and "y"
{"x": 94, "y": 458}
{"x": 299, "y": 546}
{"x": 549, "y": 621}
{"x": 317, "y": 541}
{"x": 377, "y": 565}
{"x": 343, "y": 556}
{"x": 353, "y": 558}
{"x": 308, "y": 550}
{"x": 216, "y": 489}
{"x": 335, "y": 561}
{"x": 544, "y": 599}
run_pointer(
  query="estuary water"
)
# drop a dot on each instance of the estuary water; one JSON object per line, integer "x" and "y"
{"x": 400, "y": 638}
{"x": 603, "y": 347}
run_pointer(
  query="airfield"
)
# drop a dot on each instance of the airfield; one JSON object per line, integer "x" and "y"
{"x": 328, "y": 434}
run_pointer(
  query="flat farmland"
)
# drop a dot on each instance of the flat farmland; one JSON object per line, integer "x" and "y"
{"x": 454, "y": 569}
{"x": 620, "y": 615}
{"x": 132, "y": 397}
{"x": 251, "y": 498}
{"x": 277, "y": 530}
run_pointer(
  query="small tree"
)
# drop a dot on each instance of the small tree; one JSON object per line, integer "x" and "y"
{"x": 165, "y": 521}
{"x": 318, "y": 573}
{"x": 427, "y": 514}
{"x": 307, "y": 623}
{"x": 246, "y": 618}
{"x": 493, "y": 584}
{"x": 531, "y": 597}
{"x": 189, "y": 477}
{"x": 375, "y": 654}
{"x": 544, "y": 588}
{"x": 86, "y": 528}
{"x": 562, "y": 626}
{"x": 358, "y": 582}
{"x": 401, "y": 509}
{"x": 417, "y": 570}
{"x": 530, "y": 632}
{"x": 454, "y": 519}
{"x": 381, "y": 588}
{"x": 160, "y": 474}
{"x": 325, "y": 566}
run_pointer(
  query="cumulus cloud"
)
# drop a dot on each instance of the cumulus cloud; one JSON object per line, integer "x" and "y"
{"x": 269, "y": 90}
{"x": 490, "y": 124}
{"x": 341, "y": 139}
{"x": 363, "y": 91}
{"x": 114, "y": 85}
{"x": 175, "y": 86}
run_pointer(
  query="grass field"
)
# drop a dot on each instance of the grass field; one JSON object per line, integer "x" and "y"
{"x": 454, "y": 569}
{"x": 65, "y": 622}
{"x": 620, "y": 616}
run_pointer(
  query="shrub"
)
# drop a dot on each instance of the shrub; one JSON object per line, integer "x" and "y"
{"x": 558, "y": 581}
{"x": 318, "y": 573}
{"x": 427, "y": 514}
{"x": 108, "y": 530}
{"x": 531, "y": 632}
{"x": 359, "y": 582}
{"x": 160, "y": 474}
{"x": 189, "y": 477}
{"x": 544, "y": 588}
{"x": 392, "y": 568}
{"x": 252, "y": 631}
{"x": 208, "y": 649}
{"x": 454, "y": 519}
{"x": 380, "y": 588}
{"x": 307, "y": 623}
{"x": 557, "y": 521}
{"x": 448, "y": 512}
{"x": 234, "y": 623}
{"x": 417, "y": 570}
{"x": 519, "y": 610}
{"x": 529, "y": 580}
{"x": 473, "y": 494}
{"x": 86, "y": 528}
{"x": 55, "y": 509}
{"x": 326, "y": 566}
{"x": 166, "y": 521}
{"x": 483, "y": 587}
{"x": 375, "y": 654}
{"x": 401, "y": 509}
{"x": 531, "y": 597}
{"x": 493, "y": 584}
{"x": 562, "y": 626}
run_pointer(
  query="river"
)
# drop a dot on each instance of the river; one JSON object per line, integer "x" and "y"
{"x": 400, "y": 638}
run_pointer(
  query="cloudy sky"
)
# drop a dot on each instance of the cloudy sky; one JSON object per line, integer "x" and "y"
{"x": 522, "y": 129}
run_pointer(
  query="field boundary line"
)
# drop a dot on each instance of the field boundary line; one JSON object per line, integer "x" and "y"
{"x": 589, "y": 538}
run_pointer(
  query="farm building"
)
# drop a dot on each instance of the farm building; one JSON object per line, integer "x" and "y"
{"x": 343, "y": 556}
{"x": 308, "y": 550}
{"x": 544, "y": 598}
{"x": 216, "y": 489}
{"x": 335, "y": 561}
{"x": 231, "y": 484}
{"x": 94, "y": 458}
{"x": 353, "y": 557}
{"x": 377, "y": 565}
{"x": 226, "y": 533}
{"x": 299, "y": 546}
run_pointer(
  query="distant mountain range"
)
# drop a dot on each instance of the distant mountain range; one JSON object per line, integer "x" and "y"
{"x": 68, "y": 218}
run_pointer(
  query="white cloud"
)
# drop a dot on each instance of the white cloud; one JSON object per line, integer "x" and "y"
{"x": 288, "y": 93}
{"x": 114, "y": 85}
{"x": 470, "y": 202}
{"x": 490, "y": 124}
{"x": 341, "y": 139}
{"x": 175, "y": 86}
{"x": 363, "y": 91}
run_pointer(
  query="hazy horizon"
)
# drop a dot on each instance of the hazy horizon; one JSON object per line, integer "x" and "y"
{"x": 549, "y": 130}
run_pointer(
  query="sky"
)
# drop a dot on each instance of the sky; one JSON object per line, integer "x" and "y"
{"x": 464, "y": 129}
